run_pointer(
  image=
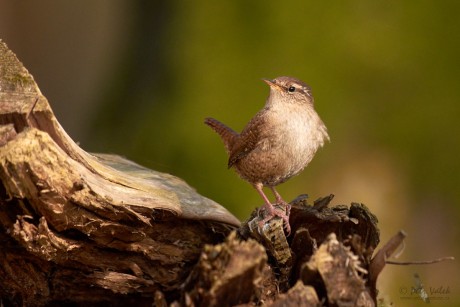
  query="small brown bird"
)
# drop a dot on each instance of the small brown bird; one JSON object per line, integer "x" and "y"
{"x": 278, "y": 142}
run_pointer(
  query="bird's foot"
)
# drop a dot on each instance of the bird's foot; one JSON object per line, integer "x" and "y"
{"x": 280, "y": 201}
{"x": 271, "y": 212}
{"x": 285, "y": 204}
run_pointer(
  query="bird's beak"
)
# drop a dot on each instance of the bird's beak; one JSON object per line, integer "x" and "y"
{"x": 272, "y": 84}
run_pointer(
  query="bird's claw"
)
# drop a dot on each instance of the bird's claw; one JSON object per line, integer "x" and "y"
{"x": 272, "y": 212}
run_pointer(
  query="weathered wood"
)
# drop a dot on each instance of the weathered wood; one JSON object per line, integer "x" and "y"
{"x": 341, "y": 272}
{"x": 81, "y": 227}
{"x": 330, "y": 248}
{"x": 230, "y": 273}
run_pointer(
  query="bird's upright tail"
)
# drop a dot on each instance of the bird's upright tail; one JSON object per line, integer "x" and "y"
{"x": 227, "y": 134}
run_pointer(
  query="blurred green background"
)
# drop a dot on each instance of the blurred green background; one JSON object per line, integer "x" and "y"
{"x": 137, "y": 78}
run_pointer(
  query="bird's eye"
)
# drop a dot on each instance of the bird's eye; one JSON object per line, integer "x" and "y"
{"x": 291, "y": 89}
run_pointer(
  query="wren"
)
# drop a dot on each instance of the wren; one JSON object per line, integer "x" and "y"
{"x": 277, "y": 143}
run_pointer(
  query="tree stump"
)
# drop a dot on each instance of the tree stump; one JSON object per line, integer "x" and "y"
{"x": 79, "y": 228}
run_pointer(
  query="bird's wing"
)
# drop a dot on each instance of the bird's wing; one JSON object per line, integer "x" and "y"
{"x": 247, "y": 141}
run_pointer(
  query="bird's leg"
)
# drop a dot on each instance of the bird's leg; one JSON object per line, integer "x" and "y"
{"x": 267, "y": 206}
{"x": 281, "y": 201}
{"x": 270, "y": 210}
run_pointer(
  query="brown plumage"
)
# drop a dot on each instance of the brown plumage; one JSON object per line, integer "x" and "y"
{"x": 278, "y": 142}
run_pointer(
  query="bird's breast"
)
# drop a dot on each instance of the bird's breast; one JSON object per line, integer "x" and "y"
{"x": 286, "y": 145}
{"x": 294, "y": 139}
